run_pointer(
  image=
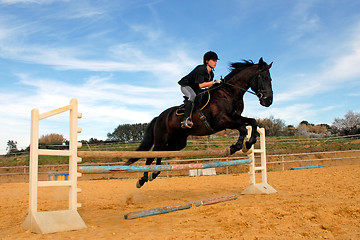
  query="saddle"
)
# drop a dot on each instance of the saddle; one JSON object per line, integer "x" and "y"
{"x": 201, "y": 101}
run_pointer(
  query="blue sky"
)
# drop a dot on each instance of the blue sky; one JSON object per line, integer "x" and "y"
{"x": 122, "y": 59}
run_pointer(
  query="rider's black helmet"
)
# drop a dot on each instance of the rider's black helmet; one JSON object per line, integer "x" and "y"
{"x": 210, "y": 55}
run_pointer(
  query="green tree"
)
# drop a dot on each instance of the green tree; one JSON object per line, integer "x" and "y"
{"x": 52, "y": 141}
{"x": 128, "y": 132}
{"x": 349, "y": 125}
{"x": 11, "y": 147}
{"x": 273, "y": 126}
{"x": 289, "y": 130}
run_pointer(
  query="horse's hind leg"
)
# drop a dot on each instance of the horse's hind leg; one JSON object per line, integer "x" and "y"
{"x": 154, "y": 175}
{"x": 145, "y": 177}
{"x": 174, "y": 145}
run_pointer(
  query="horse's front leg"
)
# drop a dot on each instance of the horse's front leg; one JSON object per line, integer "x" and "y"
{"x": 239, "y": 144}
{"x": 145, "y": 177}
{"x": 254, "y": 134}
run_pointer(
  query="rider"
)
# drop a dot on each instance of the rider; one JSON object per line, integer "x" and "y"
{"x": 201, "y": 77}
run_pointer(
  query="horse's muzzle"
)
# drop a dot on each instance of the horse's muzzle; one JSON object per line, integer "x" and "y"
{"x": 266, "y": 101}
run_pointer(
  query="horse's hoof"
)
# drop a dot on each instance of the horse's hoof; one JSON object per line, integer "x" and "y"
{"x": 245, "y": 149}
{"x": 233, "y": 149}
{"x": 151, "y": 177}
{"x": 138, "y": 185}
{"x": 248, "y": 145}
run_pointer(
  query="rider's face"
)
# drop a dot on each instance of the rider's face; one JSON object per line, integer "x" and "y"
{"x": 212, "y": 63}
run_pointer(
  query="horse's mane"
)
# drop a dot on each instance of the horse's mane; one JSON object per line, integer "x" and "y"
{"x": 236, "y": 67}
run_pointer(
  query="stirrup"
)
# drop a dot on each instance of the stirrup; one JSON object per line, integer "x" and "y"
{"x": 187, "y": 123}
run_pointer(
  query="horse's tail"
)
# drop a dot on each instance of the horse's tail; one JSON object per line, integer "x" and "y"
{"x": 147, "y": 142}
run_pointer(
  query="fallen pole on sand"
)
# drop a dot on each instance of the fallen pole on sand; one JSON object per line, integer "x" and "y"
{"x": 157, "y": 211}
{"x": 177, "y": 207}
{"x": 155, "y": 168}
{"x": 214, "y": 200}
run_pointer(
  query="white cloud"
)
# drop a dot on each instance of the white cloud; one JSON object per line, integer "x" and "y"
{"x": 104, "y": 102}
{"x": 95, "y": 89}
{"x": 335, "y": 72}
{"x": 120, "y": 57}
{"x": 85, "y": 13}
{"x": 104, "y": 105}
{"x": 294, "y": 114}
{"x": 356, "y": 94}
{"x": 305, "y": 19}
{"x": 9, "y": 2}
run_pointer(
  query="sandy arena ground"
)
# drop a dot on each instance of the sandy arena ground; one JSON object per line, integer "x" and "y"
{"x": 321, "y": 203}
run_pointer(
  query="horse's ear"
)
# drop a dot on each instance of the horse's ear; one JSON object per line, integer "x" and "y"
{"x": 261, "y": 63}
{"x": 270, "y": 65}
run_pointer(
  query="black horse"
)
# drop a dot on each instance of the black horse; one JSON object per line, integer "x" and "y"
{"x": 222, "y": 112}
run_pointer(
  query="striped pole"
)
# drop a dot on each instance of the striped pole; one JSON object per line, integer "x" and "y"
{"x": 214, "y": 200}
{"x": 157, "y": 154}
{"x": 155, "y": 168}
{"x": 157, "y": 211}
{"x": 177, "y": 207}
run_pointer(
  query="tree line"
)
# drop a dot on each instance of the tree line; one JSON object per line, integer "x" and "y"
{"x": 128, "y": 133}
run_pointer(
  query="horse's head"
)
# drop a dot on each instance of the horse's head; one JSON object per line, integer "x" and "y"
{"x": 261, "y": 84}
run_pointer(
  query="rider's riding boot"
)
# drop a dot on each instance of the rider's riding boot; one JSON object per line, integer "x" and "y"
{"x": 187, "y": 123}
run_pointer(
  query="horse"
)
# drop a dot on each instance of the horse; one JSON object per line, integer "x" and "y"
{"x": 164, "y": 133}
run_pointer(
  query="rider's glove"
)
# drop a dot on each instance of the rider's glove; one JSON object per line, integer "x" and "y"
{"x": 217, "y": 81}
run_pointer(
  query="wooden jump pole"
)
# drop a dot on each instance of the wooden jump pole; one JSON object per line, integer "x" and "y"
{"x": 155, "y": 168}
{"x": 155, "y": 154}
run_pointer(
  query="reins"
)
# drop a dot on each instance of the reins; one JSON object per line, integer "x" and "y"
{"x": 260, "y": 94}
{"x": 232, "y": 85}
{"x": 243, "y": 89}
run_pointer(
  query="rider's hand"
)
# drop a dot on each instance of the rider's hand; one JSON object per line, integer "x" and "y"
{"x": 217, "y": 81}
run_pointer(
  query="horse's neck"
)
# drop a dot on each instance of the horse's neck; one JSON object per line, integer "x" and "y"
{"x": 233, "y": 92}
{"x": 245, "y": 77}
{"x": 238, "y": 85}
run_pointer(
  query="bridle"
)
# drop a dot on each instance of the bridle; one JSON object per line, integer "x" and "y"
{"x": 259, "y": 93}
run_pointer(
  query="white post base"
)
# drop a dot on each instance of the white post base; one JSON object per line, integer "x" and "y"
{"x": 259, "y": 188}
{"x": 54, "y": 221}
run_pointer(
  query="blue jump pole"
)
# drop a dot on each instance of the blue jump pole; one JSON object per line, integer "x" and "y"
{"x": 155, "y": 168}
{"x": 306, "y": 167}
